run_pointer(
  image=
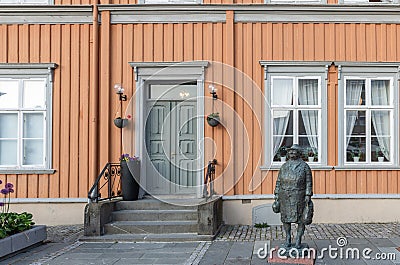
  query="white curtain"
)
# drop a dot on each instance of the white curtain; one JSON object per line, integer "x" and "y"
{"x": 353, "y": 96}
{"x": 282, "y": 95}
{"x": 381, "y": 119}
{"x": 308, "y": 95}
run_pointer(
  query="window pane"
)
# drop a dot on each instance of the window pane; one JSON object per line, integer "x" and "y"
{"x": 282, "y": 91}
{"x": 308, "y": 122}
{"x": 8, "y": 152}
{"x": 282, "y": 144}
{"x": 34, "y": 93}
{"x": 380, "y": 122}
{"x": 380, "y": 92}
{"x": 308, "y": 91}
{"x": 33, "y": 152}
{"x": 380, "y": 149}
{"x": 355, "y": 151}
{"x": 283, "y": 122}
{"x": 8, "y": 125}
{"x": 355, "y": 122}
{"x": 310, "y": 152}
{"x": 33, "y": 125}
{"x": 8, "y": 94}
{"x": 177, "y": 92}
{"x": 355, "y": 92}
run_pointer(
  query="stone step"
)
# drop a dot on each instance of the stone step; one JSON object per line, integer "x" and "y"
{"x": 169, "y": 237}
{"x": 151, "y": 204}
{"x": 152, "y": 215}
{"x": 150, "y": 227}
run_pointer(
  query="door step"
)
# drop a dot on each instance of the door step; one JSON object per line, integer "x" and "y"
{"x": 150, "y": 227}
{"x": 160, "y": 215}
{"x": 169, "y": 237}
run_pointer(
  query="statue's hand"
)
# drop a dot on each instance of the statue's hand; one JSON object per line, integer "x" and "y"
{"x": 308, "y": 198}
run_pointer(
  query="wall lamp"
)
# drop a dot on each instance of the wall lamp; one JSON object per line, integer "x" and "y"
{"x": 119, "y": 90}
{"x": 213, "y": 91}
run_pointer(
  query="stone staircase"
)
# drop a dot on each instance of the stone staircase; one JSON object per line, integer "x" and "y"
{"x": 154, "y": 220}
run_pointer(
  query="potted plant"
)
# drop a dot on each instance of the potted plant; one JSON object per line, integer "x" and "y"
{"x": 355, "y": 154}
{"x": 381, "y": 156}
{"x": 17, "y": 225}
{"x": 130, "y": 174}
{"x": 311, "y": 155}
{"x": 120, "y": 122}
{"x": 213, "y": 119}
{"x": 282, "y": 152}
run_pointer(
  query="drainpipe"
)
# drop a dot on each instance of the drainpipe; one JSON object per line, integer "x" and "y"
{"x": 95, "y": 93}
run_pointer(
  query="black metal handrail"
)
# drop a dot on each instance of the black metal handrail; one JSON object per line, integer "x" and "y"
{"x": 209, "y": 178}
{"x": 110, "y": 173}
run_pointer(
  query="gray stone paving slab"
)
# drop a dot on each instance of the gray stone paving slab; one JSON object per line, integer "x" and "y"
{"x": 381, "y": 242}
{"x": 241, "y": 250}
{"x": 83, "y": 262}
{"x": 125, "y": 255}
{"x": 95, "y": 245}
{"x": 237, "y": 261}
{"x": 134, "y": 261}
{"x": 166, "y": 255}
{"x": 396, "y": 241}
{"x": 170, "y": 261}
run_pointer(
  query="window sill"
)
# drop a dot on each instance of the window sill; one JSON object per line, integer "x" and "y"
{"x": 367, "y": 167}
{"x": 313, "y": 167}
{"x": 27, "y": 171}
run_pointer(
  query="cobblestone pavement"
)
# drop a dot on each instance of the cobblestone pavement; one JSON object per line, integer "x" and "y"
{"x": 313, "y": 231}
{"x": 234, "y": 245}
{"x": 64, "y": 233}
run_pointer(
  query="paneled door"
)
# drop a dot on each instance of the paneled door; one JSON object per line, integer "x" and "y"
{"x": 171, "y": 144}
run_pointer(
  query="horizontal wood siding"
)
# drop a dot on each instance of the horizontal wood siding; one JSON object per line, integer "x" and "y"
{"x": 241, "y": 45}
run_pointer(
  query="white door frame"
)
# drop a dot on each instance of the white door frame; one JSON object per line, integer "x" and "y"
{"x": 140, "y": 112}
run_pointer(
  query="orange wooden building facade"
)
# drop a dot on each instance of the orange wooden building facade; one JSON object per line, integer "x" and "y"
{"x": 94, "y": 44}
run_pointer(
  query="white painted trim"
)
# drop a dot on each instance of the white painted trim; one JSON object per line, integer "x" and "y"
{"x": 294, "y": 69}
{"x": 27, "y": 171}
{"x": 302, "y": 12}
{"x": 48, "y": 200}
{"x": 127, "y": 17}
{"x": 315, "y": 196}
{"x": 366, "y": 70}
{"x": 45, "y": 14}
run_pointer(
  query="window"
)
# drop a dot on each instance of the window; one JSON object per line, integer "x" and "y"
{"x": 25, "y": 118}
{"x": 296, "y": 113}
{"x": 368, "y": 1}
{"x": 25, "y": 2}
{"x": 296, "y": 105}
{"x": 296, "y": 1}
{"x": 170, "y": 2}
{"x": 368, "y": 111}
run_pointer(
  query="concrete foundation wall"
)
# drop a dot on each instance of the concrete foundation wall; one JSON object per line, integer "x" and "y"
{"x": 52, "y": 213}
{"x": 326, "y": 210}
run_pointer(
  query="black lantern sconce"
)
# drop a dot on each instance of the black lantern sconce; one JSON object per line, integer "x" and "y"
{"x": 119, "y": 90}
{"x": 213, "y": 91}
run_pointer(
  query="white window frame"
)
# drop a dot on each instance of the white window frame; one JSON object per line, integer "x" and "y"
{"x": 295, "y": 2}
{"x": 170, "y": 2}
{"x": 368, "y": 72}
{"x": 366, "y": 2}
{"x": 296, "y": 71}
{"x": 29, "y": 72}
{"x": 26, "y": 2}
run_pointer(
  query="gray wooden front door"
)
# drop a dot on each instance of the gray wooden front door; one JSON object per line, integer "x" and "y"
{"x": 171, "y": 143}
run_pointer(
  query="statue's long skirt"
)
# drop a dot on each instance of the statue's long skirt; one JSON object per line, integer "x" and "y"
{"x": 292, "y": 205}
